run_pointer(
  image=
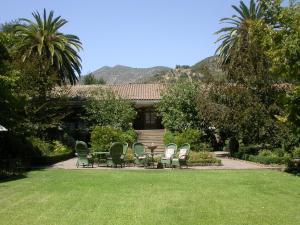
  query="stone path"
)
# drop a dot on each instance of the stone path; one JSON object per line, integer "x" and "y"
{"x": 227, "y": 164}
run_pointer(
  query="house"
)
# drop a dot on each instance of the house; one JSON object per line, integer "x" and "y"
{"x": 143, "y": 96}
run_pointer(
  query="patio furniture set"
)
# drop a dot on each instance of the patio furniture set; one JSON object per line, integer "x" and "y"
{"x": 116, "y": 156}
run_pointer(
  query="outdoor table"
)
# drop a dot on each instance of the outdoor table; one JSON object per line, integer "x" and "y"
{"x": 152, "y": 147}
{"x": 100, "y": 155}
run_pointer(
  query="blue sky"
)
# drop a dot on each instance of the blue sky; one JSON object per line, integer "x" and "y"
{"x": 136, "y": 33}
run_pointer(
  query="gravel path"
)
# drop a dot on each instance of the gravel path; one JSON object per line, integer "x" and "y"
{"x": 227, "y": 164}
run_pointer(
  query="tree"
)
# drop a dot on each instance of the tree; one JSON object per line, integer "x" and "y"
{"x": 178, "y": 106}
{"x": 91, "y": 79}
{"x": 236, "y": 112}
{"x": 238, "y": 29}
{"x": 41, "y": 39}
{"x": 105, "y": 108}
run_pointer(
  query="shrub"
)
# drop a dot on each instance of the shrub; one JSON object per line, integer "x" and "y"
{"x": 103, "y": 136}
{"x": 233, "y": 145}
{"x": 129, "y": 157}
{"x": 59, "y": 148}
{"x": 245, "y": 151}
{"x": 191, "y": 136}
{"x": 40, "y": 145}
{"x": 296, "y": 153}
{"x": 169, "y": 137}
{"x": 293, "y": 166}
{"x": 129, "y": 136}
{"x": 266, "y": 156}
{"x": 202, "y": 158}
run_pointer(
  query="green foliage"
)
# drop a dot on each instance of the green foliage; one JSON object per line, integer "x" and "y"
{"x": 229, "y": 108}
{"x": 90, "y": 79}
{"x": 234, "y": 36}
{"x": 59, "y": 148}
{"x": 59, "y": 53}
{"x": 169, "y": 137}
{"x": 178, "y": 107}
{"x": 270, "y": 157}
{"x": 47, "y": 148}
{"x": 129, "y": 136}
{"x": 105, "y": 108}
{"x": 190, "y": 136}
{"x": 44, "y": 147}
{"x": 129, "y": 157}
{"x": 103, "y": 136}
{"x": 296, "y": 153}
{"x": 203, "y": 158}
{"x": 233, "y": 145}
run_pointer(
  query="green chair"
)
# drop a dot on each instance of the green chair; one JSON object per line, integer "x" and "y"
{"x": 82, "y": 153}
{"x": 183, "y": 156}
{"x": 170, "y": 151}
{"x": 115, "y": 157}
{"x": 140, "y": 157}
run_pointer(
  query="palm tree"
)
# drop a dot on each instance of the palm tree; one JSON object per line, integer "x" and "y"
{"x": 238, "y": 29}
{"x": 41, "y": 38}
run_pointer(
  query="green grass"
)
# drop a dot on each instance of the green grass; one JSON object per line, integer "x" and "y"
{"x": 151, "y": 197}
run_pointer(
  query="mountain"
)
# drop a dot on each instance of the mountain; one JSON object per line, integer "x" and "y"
{"x": 207, "y": 69}
{"x": 123, "y": 74}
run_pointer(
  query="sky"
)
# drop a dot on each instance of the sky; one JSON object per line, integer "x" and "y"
{"x": 135, "y": 33}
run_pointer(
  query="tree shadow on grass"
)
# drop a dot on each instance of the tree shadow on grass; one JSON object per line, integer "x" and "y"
{"x": 7, "y": 178}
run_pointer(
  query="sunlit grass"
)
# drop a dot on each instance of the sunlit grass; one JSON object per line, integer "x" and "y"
{"x": 151, "y": 197}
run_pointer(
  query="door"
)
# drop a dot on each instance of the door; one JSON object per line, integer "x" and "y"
{"x": 150, "y": 119}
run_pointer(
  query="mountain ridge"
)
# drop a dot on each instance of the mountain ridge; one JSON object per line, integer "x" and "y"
{"x": 205, "y": 69}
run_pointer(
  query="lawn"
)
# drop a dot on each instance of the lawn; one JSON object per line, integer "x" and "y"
{"x": 151, "y": 197}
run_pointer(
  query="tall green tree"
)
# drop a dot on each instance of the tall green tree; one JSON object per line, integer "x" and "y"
{"x": 178, "y": 106}
{"x": 238, "y": 28}
{"x": 42, "y": 39}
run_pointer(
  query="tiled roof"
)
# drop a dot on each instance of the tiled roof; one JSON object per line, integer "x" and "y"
{"x": 138, "y": 91}
{"x": 126, "y": 91}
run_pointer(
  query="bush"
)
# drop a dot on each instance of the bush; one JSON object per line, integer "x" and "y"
{"x": 233, "y": 145}
{"x": 42, "y": 146}
{"x": 59, "y": 148}
{"x": 245, "y": 151}
{"x": 191, "y": 136}
{"x": 202, "y": 158}
{"x": 103, "y": 136}
{"x": 129, "y": 136}
{"x": 266, "y": 156}
{"x": 296, "y": 153}
{"x": 129, "y": 157}
{"x": 293, "y": 166}
{"x": 169, "y": 137}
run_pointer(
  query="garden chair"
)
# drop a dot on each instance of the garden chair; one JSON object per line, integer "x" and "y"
{"x": 170, "y": 151}
{"x": 115, "y": 157}
{"x": 182, "y": 158}
{"x": 140, "y": 157}
{"x": 82, "y": 153}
